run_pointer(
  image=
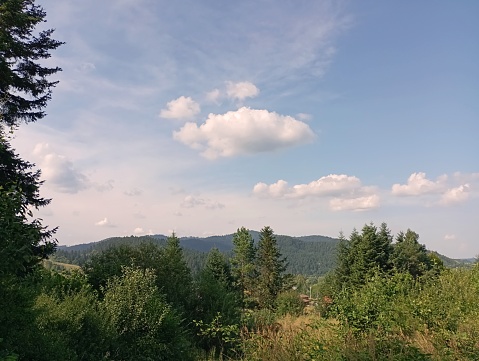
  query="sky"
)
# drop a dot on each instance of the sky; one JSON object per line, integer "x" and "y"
{"x": 311, "y": 117}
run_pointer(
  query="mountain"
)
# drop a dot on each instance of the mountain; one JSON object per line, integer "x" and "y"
{"x": 308, "y": 255}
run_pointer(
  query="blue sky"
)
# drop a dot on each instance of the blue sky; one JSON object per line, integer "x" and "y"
{"x": 312, "y": 117}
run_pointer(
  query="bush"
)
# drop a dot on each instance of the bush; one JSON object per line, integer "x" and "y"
{"x": 289, "y": 303}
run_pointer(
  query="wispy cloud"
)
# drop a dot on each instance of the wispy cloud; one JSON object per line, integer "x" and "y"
{"x": 192, "y": 202}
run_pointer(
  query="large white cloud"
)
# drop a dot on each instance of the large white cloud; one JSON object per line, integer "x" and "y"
{"x": 181, "y": 108}
{"x": 59, "y": 171}
{"x": 418, "y": 184}
{"x": 241, "y": 90}
{"x": 245, "y": 131}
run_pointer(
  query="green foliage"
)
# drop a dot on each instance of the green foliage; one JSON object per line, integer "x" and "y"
{"x": 289, "y": 303}
{"x": 75, "y": 326}
{"x": 410, "y": 256}
{"x": 243, "y": 263}
{"x": 17, "y": 316}
{"x": 147, "y": 327}
{"x": 372, "y": 306}
{"x": 218, "y": 266}
{"x": 220, "y": 338}
{"x": 173, "y": 275}
{"x": 217, "y": 308}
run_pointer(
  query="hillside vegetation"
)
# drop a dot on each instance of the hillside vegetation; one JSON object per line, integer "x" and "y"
{"x": 307, "y": 255}
{"x": 136, "y": 298}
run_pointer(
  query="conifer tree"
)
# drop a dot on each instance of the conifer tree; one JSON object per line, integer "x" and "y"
{"x": 174, "y": 275}
{"x": 243, "y": 262}
{"x": 363, "y": 255}
{"x": 271, "y": 267}
{"x": 25, "y": 87}
{"x": 410, "y": 256}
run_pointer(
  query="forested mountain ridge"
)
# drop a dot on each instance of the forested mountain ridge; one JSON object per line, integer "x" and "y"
{"x": 315, "y": 255}
{"x": 308, "y": 255}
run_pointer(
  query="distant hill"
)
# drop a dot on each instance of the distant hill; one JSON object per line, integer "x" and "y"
{"x": 308, "y": 255}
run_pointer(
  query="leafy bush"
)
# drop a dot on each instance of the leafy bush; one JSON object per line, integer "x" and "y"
{"x": 289, "y": 303}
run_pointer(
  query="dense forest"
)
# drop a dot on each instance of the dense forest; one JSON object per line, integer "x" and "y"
{"x": 311, "y": 255}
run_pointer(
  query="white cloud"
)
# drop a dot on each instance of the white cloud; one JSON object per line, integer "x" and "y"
{"x": 455, "y": 195}
{"x": 418, "y": 184}
{"x": 347, "y": 191}
{"x": 274, "y": 190}
{"x": 181, "y": 108}
{"x": 446, "y": 190}
{"x": 241, "y": 90}
{"x": 59, "y": 172}
{"x": 449, "y": 237}
{"x": 245, "y": 131}
{"x": 355, "y": 204}
{"x": 331, "y": 185}
{"x": 328, "y": 185}
{"x": 105, "y": 223}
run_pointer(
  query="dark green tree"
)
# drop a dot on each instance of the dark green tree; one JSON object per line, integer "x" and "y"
{"x": 410, "y": 256}
{"x": 24, "y": 93}
{"x": 363, "y": 255}
{"x": 271, "y": 267}
{"x": 105, "y": 265}
{"x": 243, "y": 265}
{"x": 24, "y": 242}
{"x": 174, "y": 276}
{"x": 25, "y": 87}
{"x": 218, "y": 266}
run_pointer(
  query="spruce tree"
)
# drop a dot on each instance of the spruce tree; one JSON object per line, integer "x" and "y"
{"x": 410, "y": 256}
{"x": 25, "y": 87}
{"x": 174, "y": 276}
{"x": 271, "y": 267}
{"x": 243, "y": 262}
{"x": 218, "y": 266}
